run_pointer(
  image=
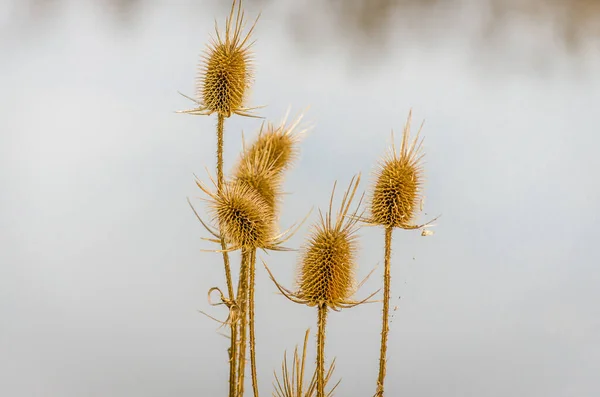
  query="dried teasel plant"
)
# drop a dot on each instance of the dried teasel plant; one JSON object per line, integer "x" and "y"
{"x": 277, "y": 145}
{"x": 262, "y": 164}
{"x": 257, "y": 176}
{"x": 261, "y": 168}
{"x": 245, "y": 221}
{"x": 291, "y": 383}
{"x": 226, "y": 70}
{"x": 222, "y": 87}
{"x": 326, "y": 271}
{"x": 394, "y": 202}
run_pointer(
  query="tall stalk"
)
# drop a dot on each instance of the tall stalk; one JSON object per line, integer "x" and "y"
{"x": 251, "y": 322}
{"x": 242, "y": 300}
{"x": 233, "y": 345}
{"x": 321, "y": 322}
{"x": 220, "y": 178}
{"x": 225, "y": 74}
{"x": 386, "y": 310}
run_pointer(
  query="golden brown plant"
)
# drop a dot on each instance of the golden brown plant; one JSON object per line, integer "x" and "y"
{"x": 260, "y": 168}
{"x": 256, "y": 175}
{"x": 225, "y": 72}
{"x": 222, "y": 87}
{"x": 243, "y": 216}
{"x": 276, "y": 145}
{"x": 292, "y": 384}
{"x": 260, "y": 176}
{"x": 326, "y": 270}
{"x": 262, "y": 164}
{"x": 396, "y": 194}
{"x": 394, "y": 202}
{"x": 247, "y": 222}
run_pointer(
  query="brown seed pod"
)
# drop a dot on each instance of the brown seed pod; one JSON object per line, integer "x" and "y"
{"x": 259, "y": 176}
{"x": 396, "y": 194}
{"x": 276, "y": 145}
{"x": 325, "y": 275}
{"x": 225, "y": 72}
{"x": 243, "y": 216}
{"x": 327, "y": 264}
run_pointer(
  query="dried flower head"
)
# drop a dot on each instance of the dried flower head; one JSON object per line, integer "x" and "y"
{"x": 262, "y": 164}
{"x": 243, "y": 216}
{"x": 256, "y": 173}
{"x": 225, "y": 72}
{"x": 396, "y": 194}
{"x": 327, "y": 264}
{"x": 276, "y": 145}
{"x": 326, "y": 273}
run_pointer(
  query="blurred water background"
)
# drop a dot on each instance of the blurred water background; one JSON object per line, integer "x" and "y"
{"x": 101, "y": 274}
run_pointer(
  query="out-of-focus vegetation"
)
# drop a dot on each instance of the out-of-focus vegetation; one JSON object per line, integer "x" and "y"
{"x": 368, "y": 26}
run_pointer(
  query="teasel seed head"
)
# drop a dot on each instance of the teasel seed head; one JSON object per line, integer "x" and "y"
{"x": 262, "y": 164}
{"x": 327, "y": 263}
{"x": 226, "y": 71}
{"x": 327, "y": 267}
{"x": 325, "y": 274}
{"x": 395, "y": 195}
{"x": 243, "y": 216}
{"x": 255, "y": 173}
{"x": 277, "y": 145}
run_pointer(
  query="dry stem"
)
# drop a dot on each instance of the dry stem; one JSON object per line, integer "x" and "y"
{"x": 321, "y": 322}
{"x": 242, "y": 299}
{"x": 232, "y": 349}
{"x": 386, "y": 309}
{"x": 251, "y": 322}
{"x": 220, "y": 122}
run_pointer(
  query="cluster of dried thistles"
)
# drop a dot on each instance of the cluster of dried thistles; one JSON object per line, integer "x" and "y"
{"x": 245, "y": 211}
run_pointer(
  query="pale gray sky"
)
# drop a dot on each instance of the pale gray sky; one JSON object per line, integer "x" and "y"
{"x": 101, "y": 271}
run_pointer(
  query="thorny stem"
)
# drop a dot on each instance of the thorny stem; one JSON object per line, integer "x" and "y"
{"x": 242, "y": 299}
{"x": 322, "y": 319}
{"x": 386, "y": 309}
{"x": 232, "y": 349}
{"x": 251, "y": 322}
{"x": 232, "y": 360}
{"x": 220, "y": 181}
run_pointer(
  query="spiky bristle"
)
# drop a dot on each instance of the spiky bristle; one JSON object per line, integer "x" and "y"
{"x": 245, "y": 219}
{"x": 276, "y": 145}
{"x": 226, "y": 69}
{"x": 326, "y": 271}
{"x": 260, "y": 177}
{"x": 396, "y": 193}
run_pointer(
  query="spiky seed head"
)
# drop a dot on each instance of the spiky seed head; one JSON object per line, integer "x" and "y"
{"x": 327, "y": 265}
{"x": 262, "y": 164}
{"x": 257, "y": 174}
{"x": 243, "y": 216}
{"x": 276, "y": 145}
{"x": 396, "y": 193}
{"x": 226, "y": 69}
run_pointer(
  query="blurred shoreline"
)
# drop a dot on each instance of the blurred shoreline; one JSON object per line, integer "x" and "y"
{"x": 366, "y": 27}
